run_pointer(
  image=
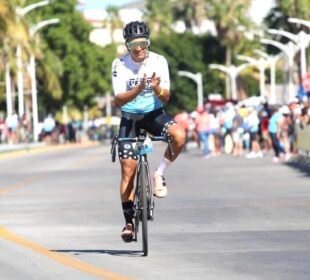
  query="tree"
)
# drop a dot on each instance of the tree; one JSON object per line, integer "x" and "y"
{"x": 80, "y": 63}
{"x": 13, "y": 31}
{"x": 187, "y": 52}
{"x": 229, "y": 16}
{"x": 294, "y": 8}
{"x": 113, "y": 20}
{"x": 158, "y": 20}
{"x": 191, "y": 12}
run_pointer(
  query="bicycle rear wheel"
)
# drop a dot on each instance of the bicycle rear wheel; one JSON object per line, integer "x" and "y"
{"x": 142, "y": 184}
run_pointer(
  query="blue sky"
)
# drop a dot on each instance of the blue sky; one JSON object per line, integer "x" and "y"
{"x": 98, "y": 4}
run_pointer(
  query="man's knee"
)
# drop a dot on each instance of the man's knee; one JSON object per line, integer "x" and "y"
{"x": 178, "y": 134}
{"x": 128, "y": 168}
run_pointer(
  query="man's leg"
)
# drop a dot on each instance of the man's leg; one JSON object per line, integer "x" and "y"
{"x": 178, "y": 136}
{"x": 128, "y": 168}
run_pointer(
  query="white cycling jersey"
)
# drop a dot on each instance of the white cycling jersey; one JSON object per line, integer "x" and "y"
{"x": 126, "y": 74}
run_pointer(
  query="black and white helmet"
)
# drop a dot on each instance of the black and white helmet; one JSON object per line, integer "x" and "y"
{"x": 136, "y": 29}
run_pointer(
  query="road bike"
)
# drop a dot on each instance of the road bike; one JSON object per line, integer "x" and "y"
{"x": 144, "y": 198}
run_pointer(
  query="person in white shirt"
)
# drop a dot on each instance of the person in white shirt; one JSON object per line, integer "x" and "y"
{"x": 141, "y": 85}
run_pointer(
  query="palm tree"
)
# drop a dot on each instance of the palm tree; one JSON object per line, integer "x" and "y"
{"x": 12, "y": 32}
{"x": 192, "y": 12}
{"x": 113, "y": 21}
{"x": 229, "y": 16}
{"x": 158, "y": 20}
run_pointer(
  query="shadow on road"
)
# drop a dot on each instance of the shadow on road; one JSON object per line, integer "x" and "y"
{"x": 125, "y": 253}
{"x": 301, "y": 163}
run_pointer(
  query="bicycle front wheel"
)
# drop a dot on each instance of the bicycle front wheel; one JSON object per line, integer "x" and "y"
{"x": 143, "y": 182}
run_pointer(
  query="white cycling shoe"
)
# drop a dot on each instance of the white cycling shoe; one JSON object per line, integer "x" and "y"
{"x": 160, "y": 188}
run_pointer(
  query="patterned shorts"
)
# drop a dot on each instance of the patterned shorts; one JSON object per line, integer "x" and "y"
{"x": 156, "y": 123}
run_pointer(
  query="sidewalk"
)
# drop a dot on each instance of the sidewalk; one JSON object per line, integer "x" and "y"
{"x": 6, "y": 148}
{"x": 21, "y": 148}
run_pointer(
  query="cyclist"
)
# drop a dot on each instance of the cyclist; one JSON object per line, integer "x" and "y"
{"x": 141, "y": 84}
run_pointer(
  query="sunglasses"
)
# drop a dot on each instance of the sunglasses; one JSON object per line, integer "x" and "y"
{"x": 141, "y": 44}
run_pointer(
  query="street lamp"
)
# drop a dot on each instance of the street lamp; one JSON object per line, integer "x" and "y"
{"x": 289, "y": 50}
{"x": 32, "y": 68}
{"x": 8, "y": 89}
{"x": 299, "y": 21}
{"x": 272, "y": 60}
{"x": 233, "y": 72}
{"x": 22, "y": 11}
{"x": 198, "y": 79}
{"x": 301, "y": 40}
{"x": 261, "y": 65}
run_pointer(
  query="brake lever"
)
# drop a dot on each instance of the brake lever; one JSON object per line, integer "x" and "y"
{"x": 113, "y": 148}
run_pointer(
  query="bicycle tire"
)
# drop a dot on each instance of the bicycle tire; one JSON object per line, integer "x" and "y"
{"x": 143, "y": 182}
{"x": 137, "y": 214}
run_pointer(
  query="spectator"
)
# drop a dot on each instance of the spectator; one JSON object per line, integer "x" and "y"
{"x": 274, "y": 128}
{"x": 12, "y": 123}
{"x": 48, "y": 128}
{"x": 202, "y": 122}
{"x": 237, "y": 135}
{"x": 266, "y": 141}
{"x": 252, "y": 121}
{"x": 227, "y": 120}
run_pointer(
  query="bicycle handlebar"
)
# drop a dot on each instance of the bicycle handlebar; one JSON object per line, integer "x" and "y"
{"x": 141, "y": 139}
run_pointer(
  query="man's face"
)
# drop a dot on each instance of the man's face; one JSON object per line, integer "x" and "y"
{"x": 138, "y": 48}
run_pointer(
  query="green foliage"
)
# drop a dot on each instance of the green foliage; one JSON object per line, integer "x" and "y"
{"x": 85, "y": 71}
{"x": 72, "y": 71}
{"x": 190, "y": 53}
{"x": 295, "y": 8}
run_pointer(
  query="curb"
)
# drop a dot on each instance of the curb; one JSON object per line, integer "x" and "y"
{"x": 23, "y": 149}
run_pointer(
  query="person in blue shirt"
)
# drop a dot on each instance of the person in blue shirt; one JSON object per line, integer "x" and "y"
{"x": 274, "y": 128}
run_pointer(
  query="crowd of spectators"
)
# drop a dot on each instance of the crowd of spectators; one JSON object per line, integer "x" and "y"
{"x": 250, "y": 130}
{"x": 240, "y": 129}
{"x": 14, "y": 129}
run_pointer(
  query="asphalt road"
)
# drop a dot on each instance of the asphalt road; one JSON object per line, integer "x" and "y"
{"x": 224, "y": 218}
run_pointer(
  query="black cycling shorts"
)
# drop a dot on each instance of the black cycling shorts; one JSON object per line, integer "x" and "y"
{"x": 156, "y": 123}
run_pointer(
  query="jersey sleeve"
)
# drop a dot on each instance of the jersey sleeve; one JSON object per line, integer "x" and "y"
{"x": 165, "y": 78}
{"x": 118, "y": 77}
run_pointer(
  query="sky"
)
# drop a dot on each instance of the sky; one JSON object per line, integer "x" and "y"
{"x": 257, "y": 12}
{"x": 98, "y": 4}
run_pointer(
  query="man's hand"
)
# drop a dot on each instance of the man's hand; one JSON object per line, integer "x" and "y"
{"x": 155, "y": 81}
{"x": 143, "y": 82}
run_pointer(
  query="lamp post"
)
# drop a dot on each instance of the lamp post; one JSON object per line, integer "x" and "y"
{"x": 299, "y": 21}
{"x": 289, "y": 50}
{"x": 8, "y": 89}
{"x": 20, "y": 81}
{"x": 22, "y": 11}
{"x": 233, "y": 72}
{"x": 198, "y": 79}
{"x": 261, "y": 65}
{"x": 301, "y": 40}
{"x": 32, "y": 67}
{"x": 272, "y": 60}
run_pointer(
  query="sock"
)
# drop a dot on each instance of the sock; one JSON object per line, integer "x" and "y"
{"x": 164, "y": 164}
{"x": 128, "y": 211}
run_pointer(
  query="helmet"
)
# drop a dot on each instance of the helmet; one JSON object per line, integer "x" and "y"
{"x": 136, "y": 29}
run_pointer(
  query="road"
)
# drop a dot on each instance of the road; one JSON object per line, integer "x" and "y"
{"x": 224, "y": 218}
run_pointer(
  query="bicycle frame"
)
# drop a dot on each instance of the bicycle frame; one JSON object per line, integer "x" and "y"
{"x": 143, "y": 199}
